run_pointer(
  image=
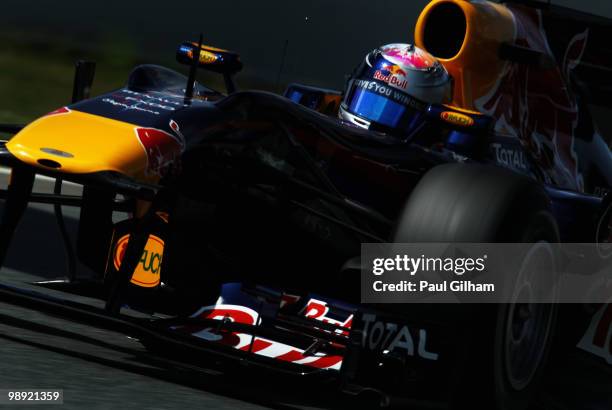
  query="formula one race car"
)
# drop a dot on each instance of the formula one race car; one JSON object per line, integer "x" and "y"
{"x": 248, "y": 209}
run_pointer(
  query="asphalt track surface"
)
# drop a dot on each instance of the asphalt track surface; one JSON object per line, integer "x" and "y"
{"x": 99, "y": 369}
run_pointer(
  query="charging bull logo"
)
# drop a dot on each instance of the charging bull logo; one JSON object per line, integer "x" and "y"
{"x": 59, "y": 111}
{"x": 161, "y": 147}
{"x": 536, "y": 104}
{"x": 396, "y": 70}
{"x": 409, "y": 56}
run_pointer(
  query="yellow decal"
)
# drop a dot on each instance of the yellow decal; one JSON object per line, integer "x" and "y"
{"x": 457, "y": 118}
{"x": 147, "y": 271}
{"x": 206, "y": 57}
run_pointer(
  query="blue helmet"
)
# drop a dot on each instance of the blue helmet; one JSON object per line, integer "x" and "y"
{"x": 391, "y": 89}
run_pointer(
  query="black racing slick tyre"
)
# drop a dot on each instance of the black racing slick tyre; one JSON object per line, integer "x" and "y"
{"x": 509, "y": 344}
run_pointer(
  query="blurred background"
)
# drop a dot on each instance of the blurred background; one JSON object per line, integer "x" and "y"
{"x": 322, "y": 41}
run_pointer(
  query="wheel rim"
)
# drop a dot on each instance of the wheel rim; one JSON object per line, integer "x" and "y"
{"x": 528, "y": 324}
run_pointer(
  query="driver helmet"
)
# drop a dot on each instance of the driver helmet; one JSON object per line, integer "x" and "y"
{"x": 392, "y": 88}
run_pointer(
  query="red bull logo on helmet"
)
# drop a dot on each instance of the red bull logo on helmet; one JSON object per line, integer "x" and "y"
{"x": 393, "y": 75}
{"x": 394, "y": 69}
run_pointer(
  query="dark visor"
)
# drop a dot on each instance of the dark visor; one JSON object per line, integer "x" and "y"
{"x": 376, "y": 108}
{"x": 383, "y": 110}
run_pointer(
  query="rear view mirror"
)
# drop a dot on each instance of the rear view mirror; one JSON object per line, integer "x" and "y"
{"x": 211, "y": 58}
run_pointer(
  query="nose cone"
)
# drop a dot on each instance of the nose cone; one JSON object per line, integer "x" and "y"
{"x": 74, "y": 142}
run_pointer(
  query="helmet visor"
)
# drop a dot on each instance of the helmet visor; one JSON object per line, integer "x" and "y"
{"x": 396, "y": 113}
{"x": 376, "y": 108}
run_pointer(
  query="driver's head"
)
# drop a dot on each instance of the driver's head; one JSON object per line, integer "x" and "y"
{"x": 392, "y": 88}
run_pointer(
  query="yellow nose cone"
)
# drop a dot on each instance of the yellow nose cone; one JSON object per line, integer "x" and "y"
{"x": 74, "y": 142}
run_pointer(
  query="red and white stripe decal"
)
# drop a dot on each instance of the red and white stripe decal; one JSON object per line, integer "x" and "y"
{"x": 598, "y": 337}
{"x": 258, "y": 345}
{"x": 318, "y": 309}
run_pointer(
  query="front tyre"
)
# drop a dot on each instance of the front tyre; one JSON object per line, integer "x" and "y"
{"x": 509, "y": 343}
